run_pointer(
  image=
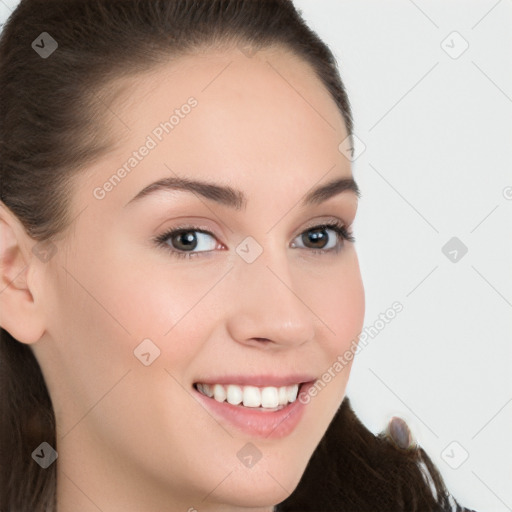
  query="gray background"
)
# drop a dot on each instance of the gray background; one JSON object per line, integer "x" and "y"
{"x": 437, "y": 165}
{"x": 435, "y": 124}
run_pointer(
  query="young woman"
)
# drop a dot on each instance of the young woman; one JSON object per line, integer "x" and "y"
{"x": 180, "y": 291}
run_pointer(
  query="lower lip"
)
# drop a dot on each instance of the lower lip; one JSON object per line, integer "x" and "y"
{"x": 257, "y": 423}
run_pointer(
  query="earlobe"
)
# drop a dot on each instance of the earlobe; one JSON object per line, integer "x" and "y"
{"x": 20, "y": 313}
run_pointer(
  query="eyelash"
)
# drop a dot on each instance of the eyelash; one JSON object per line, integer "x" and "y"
{"x": 341, "y": 231}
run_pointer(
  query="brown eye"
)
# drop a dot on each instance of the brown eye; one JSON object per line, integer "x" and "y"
{"x": 188, "y": 241}
{"x": 316, "y": 238}
{"x": 321, "y": 238}
{"x": 184, "y": 241}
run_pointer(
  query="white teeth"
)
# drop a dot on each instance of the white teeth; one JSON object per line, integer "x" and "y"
{"x": 252, "y": 396}
{"x": 283, "y": 396}
{"x": 219, "y": 393}
{"x": 268, "y": 397}
{"x": 234, "y": 395}
{"x": 291, "y": 392}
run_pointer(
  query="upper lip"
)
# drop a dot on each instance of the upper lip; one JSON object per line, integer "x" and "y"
{"x": 258, "y": 380}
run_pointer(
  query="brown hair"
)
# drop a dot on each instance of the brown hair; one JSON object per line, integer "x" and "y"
{"x": 53, "y": 112}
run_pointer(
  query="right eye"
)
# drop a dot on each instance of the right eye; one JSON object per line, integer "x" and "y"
{"x": 180, "y": 242}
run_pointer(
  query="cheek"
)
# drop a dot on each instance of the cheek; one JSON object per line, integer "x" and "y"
{"x": 347, "y": 309}
{"x": 117, "y": 305}
{"x": 161, "y": 303}
{"x": 175, "y": 304}
{"x": 340, "y": 303}
{"x": 136, "y": 299}
{"x": 341, "y": 308}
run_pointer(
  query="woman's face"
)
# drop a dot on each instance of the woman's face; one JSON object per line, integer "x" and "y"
{"x": 257, "y": 297}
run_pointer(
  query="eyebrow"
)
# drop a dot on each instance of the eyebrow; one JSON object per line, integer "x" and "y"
{"x": 236, "y": 199}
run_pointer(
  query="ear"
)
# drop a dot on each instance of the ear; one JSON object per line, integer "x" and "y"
{"x": 21, "y": 311}
{"x": 400, "y": 434}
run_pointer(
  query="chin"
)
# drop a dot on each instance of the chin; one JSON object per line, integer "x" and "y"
{"x": 264, "y": 485}
{"x": 254, "y": 496}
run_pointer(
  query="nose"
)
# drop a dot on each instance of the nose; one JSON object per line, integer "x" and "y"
{"x": 268, "y": 308}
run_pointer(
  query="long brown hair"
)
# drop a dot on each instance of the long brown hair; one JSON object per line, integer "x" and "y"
{"x": 51, "y": 127}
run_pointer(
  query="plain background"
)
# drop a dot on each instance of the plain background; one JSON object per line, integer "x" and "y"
{"x": 430, "y": 83}
{"x": 437, "y": 164}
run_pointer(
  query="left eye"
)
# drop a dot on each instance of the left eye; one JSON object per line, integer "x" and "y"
{"x": 318, "y": 238}
{"x": 192, "y": 241}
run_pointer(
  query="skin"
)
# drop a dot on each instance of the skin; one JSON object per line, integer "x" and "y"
{"x": 132, "y": 437}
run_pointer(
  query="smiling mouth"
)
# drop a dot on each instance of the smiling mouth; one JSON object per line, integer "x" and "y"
{"x": 262, "y": 398}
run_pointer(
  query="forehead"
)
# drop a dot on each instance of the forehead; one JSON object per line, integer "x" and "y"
{"x": 273, "y": 87}
{"x": 255, "y": 119}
